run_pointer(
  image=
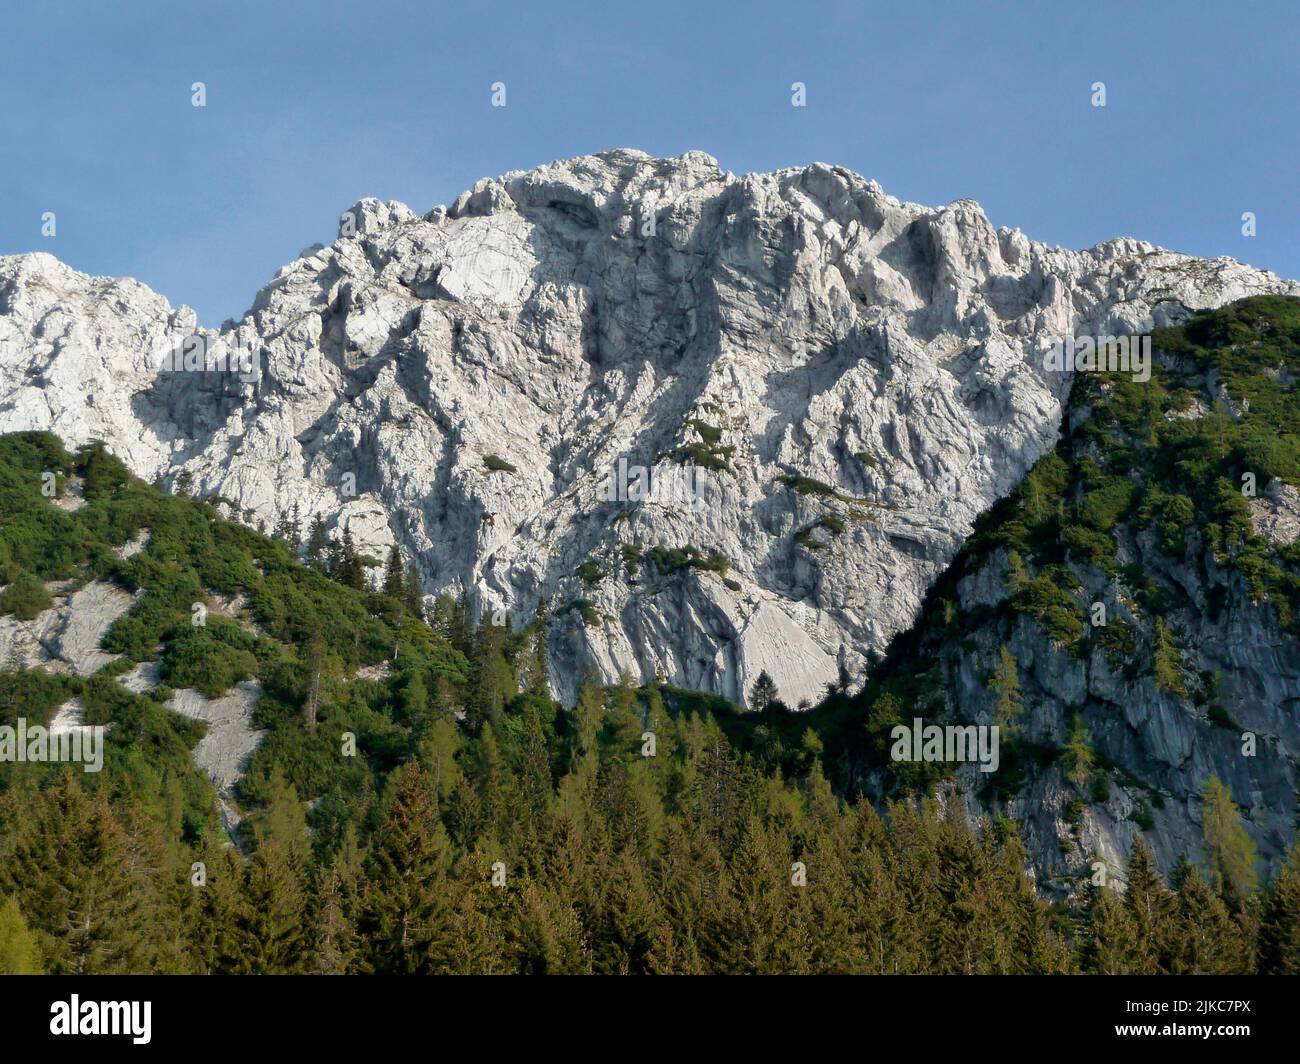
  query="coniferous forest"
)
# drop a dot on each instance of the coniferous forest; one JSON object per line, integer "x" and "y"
{"x": 419, "y": 803}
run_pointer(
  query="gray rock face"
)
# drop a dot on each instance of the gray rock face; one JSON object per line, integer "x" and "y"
{"x": 1165, "y": 746}
{"x": 466, "y": 384}
{"x": 229, "y": 740}
{"x": 66, "y": 637}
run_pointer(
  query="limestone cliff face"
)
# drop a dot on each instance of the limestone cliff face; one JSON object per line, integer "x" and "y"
{"x": 855, "y": 379}
{"x": 1160, "y": 747}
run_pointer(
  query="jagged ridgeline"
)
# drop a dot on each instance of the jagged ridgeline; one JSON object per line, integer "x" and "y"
{"x": 1129, "y": 615}
{"x": 719, "y": 424}
{"x": 415, "y": 801}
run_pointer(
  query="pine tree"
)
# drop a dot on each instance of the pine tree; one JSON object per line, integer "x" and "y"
{"x": 754, "y": 912}
{"x": 437, "y": 753}
{"x": 1017, "y": 574}
{"x": 334, "y": 943}
{"x": 492, "y": 680}
{"x": 627, "y": 921}
{"x": 282, "y": 820}
{"x": 716, "y": 793}
{"x": 216, "y": 931}
{"x": 416, "y": 709}
{"x": 1166, "y": 662}
{"x": 535, "y": 783}
{"x": 1106, "y": 943}
{"x": 578, "y": 784}
{"x": 537, "y": 680}
{"x": 622, "y": 727}
{"x": 1181, "y": 870}
{"x": 282, "y": 528}
{"x": 492, "y": 786}
{"x": 544, "y": 933}
{"x": 345, "y": 564}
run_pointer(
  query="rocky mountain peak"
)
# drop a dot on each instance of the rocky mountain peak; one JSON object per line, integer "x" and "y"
{"x": 720, "y": 424}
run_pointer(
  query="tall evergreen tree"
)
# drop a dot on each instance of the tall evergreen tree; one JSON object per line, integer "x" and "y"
{"x": 393, "y": 585}
{"x": 86, "y": 890}
{"x": 407, "y": 915}
{"x": 413, "y": 592}
{"x": 1079, "y": 755}
{"x": 317, "y": 551}
{"x": 763, "y": 693}
{"x": 334, "y": 944}
{"x": 1148, "y": 903}
{"x": 269, "y": 931}
{"x": 1206, "y": 940}
{"x": 1279, "y": 933}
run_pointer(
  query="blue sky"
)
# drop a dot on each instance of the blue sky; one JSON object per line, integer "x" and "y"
{"x": 314, "y": 105}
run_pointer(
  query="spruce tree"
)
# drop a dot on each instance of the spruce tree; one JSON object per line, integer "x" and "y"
{"x": 535, "y": 782}
{"x": 215, "y": 934}
{"x": 393, "y": 585}
{"x": 413, "y": 592}
{"x": 1148, "y": 902}
{"x": 406, "y": 912}
{"x": 88, "y": 890}
{"x": 1206, "y": 940}
{"x": 269, "y": 933}
{"x": 282, "y": 821}
{"x": 334, "y": 943}
{"x": 1107, "y": 937}
{"x": 1279, "y": 932}
{"x": 317, "y": 544}
{"x": 763, "y": 693}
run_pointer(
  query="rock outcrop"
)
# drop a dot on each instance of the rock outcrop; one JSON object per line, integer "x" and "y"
{"x": 853, "y": 379}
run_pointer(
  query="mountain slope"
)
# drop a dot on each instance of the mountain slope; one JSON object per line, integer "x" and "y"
{"x": 419, "y": 804}
{"x": 855, "y": 379}
{"x": 1142, "y": 588}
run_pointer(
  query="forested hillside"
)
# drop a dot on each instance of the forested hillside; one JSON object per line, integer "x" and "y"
{"x": 1128, "y": 616}
{"x": 419, "y": 803}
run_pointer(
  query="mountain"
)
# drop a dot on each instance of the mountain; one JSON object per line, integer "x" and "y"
{"x": 1130, "y": 615}
{"x": 846, "y": 381}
